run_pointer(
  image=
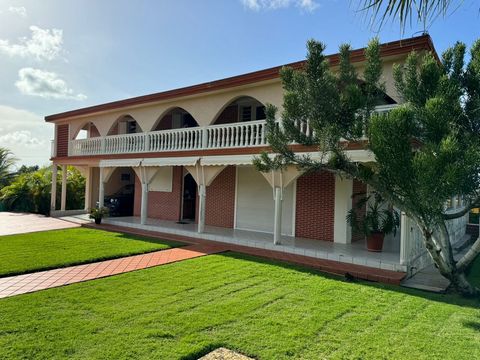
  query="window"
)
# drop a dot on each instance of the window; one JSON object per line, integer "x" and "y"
{"x": 246, "y": 113}
{"x": 260, "y": 113}
{"x": 131, "y": 127}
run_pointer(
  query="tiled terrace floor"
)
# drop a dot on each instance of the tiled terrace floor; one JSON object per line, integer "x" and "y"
{"x": 21, "y": 284}
{"x": 355, "y": 253}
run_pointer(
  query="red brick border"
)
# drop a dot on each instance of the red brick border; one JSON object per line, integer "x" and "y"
{"x": 22, "y": 284}
{"x": 328, "y": 266}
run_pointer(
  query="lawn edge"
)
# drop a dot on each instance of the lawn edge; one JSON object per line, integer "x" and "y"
{"x": 171, "y": 243}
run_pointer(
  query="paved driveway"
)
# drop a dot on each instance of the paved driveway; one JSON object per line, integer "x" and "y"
{"x": 18, "y": 223}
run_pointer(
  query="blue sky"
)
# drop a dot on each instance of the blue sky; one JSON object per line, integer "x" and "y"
{"x": 58, "y": 55}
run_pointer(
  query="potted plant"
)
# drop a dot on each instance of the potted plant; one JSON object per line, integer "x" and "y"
{"x": 98, "y": 214}
{"x": 374, "y": 218}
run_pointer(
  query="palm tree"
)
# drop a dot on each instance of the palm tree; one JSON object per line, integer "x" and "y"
{"x": 7, "y": 160}
{"x": 423, "y": 10}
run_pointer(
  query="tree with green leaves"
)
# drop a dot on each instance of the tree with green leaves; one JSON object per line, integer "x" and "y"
{"x": 426, "y": 150}
{"x": 30, "y": 191}
{"x": 7, "y": 161}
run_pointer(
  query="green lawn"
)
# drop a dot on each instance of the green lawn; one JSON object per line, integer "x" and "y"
{"x": 264, "y": 309}
{"x": 49, "y": 249}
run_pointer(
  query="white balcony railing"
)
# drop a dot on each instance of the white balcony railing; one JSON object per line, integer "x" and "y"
{"x": 236, "y": 135}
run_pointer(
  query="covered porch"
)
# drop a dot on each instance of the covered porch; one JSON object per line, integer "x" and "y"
{"x": 354, "y": 253}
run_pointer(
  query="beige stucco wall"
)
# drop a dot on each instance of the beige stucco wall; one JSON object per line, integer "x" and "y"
{"x": 207, "y": 106}
{"x": 204, "y": 108}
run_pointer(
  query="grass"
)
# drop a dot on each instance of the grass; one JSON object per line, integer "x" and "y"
{"x": 264, "y": 309}
{"x": 50, "y": 249}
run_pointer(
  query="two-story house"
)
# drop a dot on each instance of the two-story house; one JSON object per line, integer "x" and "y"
{"x": 186, "y": 155}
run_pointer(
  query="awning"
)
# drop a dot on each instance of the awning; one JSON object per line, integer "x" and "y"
{"x": 227, "y": 160}
{"x": 120, "y": 163}
{"x": 353, "y": 155}
{"x": 171, "y": 161}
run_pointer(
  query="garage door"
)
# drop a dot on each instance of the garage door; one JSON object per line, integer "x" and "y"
{"x": 255, "y": 205}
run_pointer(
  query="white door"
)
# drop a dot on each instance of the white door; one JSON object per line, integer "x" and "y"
{"x": 255, "y": 204}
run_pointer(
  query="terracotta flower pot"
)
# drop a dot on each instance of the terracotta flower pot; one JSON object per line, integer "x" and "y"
{"x": 98, "y": 221}
{"x": 375, "y": 242}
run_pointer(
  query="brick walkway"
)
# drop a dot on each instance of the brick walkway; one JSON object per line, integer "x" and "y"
{"x": 21, "y": 284}
{"x": 19, "y": 223}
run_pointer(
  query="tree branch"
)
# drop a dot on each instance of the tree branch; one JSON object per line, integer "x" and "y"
{"x": 471, "y": 254}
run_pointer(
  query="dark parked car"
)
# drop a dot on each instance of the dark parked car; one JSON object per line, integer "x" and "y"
{"x": 121, "y": 203}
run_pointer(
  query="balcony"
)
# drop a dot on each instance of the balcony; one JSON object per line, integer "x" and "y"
{"x": 235, "y": 135}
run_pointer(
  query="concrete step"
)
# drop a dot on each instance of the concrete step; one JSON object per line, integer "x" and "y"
{"x": 428, "y": 279}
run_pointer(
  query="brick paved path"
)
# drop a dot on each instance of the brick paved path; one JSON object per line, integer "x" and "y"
{"x": 21, "y": 284}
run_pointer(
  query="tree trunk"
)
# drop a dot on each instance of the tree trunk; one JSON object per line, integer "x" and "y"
{"x": 460, "y": 283}
{"x": 445, "y": 262}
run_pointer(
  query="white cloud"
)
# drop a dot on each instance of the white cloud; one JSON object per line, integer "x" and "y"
{"x": 22, "y": 137}
{"x": 44, "y": 44}
{"x": 18, "y": 10}
{"x": 26, "y": 134}
{"x": 257, "y": 5}
{"x": 309, "y": 5}
{"x": 45, "y": 84}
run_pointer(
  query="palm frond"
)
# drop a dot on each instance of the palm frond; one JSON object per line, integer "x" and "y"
{"x": 405, "y": 10}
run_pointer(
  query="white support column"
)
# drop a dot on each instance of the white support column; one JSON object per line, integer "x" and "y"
{"x": 63, "y": 203}
{"x": 144, "y": 203}
{"x": 404, "y": 239}
{"x": 53, "y": 193}
{"x": 342, "y": 231}
{"x": 202, "y": 196}
{"x": 101, "y": 190}
{"x": 146, "y": 175}
{"x": 277, "y": 224}
{"x": 88, "y": 188}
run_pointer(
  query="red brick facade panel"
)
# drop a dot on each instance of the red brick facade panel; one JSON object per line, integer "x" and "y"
{"x": 315, "y": 206}
{"x": 162, "y": 205}
{"x": 220, "y": 203}
{"x": 62, "y": 140}
{"x": 358, "y": 192}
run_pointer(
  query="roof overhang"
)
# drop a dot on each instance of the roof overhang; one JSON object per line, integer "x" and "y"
{"x": 390, "y": 49}
{"x": 171, "y": 161}
{"x": 120, "y": 163}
